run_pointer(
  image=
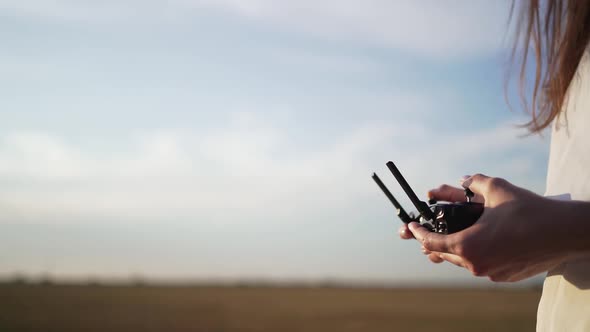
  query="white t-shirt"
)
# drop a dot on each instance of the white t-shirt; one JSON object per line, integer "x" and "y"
{"x": 565, "y": 303}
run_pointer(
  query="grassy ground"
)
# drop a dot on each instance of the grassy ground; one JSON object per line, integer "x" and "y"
{"x": 50, "y": 308}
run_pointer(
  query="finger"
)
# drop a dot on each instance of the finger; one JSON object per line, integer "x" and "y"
{"x": 405, "y": 233}
{"x": 432, "y": 241}
{"x": 477, "y": 183}
{"x": 483, "y": 185}
{"x": 447, "y": 193}
{"x": 435, "y": 258}
{"x": 453, "y": 259}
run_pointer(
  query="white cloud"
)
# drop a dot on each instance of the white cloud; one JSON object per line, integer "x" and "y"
{"x": 37, "y": 155}
{"x": 85, "y": 10}
{"x": 247, "y": 170}
{"x": 430, "y": 28}
{"x": 322, "y": 62}
{"x": 433, "y": 28}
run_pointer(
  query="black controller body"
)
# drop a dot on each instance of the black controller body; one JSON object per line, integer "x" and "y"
{"x": 452, "y": 217}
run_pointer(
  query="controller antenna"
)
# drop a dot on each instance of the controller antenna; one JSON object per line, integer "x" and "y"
{"x": 421, "y": 206}
{"x": 401, "y": 213}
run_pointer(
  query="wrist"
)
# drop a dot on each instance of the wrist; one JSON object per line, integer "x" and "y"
{"x": 571, "y": 227}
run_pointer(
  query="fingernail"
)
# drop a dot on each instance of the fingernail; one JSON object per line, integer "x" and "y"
{"x": 466, "y": 181}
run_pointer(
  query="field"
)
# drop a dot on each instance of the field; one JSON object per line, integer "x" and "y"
{"x": 52, "y": 308}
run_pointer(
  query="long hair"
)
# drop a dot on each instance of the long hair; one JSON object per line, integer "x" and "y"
{"x": 557, "y": 33}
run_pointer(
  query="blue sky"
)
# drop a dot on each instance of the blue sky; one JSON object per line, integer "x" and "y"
{"x": 236, "y": 139}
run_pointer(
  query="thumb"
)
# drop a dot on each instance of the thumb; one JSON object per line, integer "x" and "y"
{"x": 432, "y": 241}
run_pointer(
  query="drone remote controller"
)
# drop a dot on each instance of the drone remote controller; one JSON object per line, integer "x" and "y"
{"x": 444, "y": 218}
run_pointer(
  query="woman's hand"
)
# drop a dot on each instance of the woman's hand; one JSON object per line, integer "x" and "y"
{"x": 520, "y": 234}
{"x": 443, "y": 193}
